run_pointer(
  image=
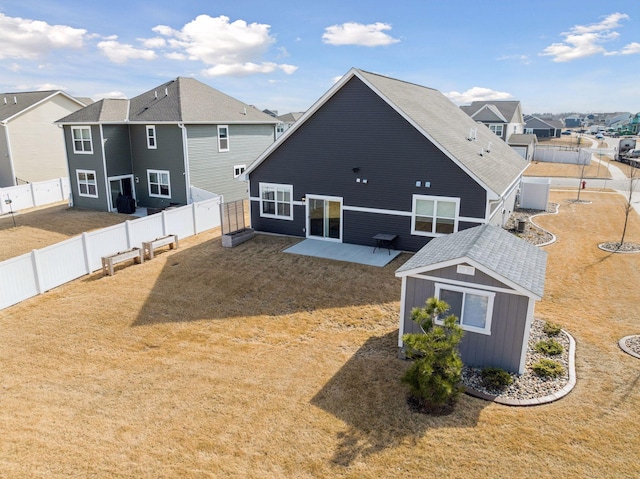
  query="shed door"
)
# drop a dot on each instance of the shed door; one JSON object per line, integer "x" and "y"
{"x": 324, "y": 218}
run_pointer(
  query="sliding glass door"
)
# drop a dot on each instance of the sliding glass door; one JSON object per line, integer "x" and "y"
{"x": 324, "y": 217}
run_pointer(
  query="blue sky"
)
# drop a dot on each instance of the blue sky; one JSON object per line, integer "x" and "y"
{"x": 553, "y": 56}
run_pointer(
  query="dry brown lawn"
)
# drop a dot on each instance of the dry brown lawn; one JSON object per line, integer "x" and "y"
{"x": 249, "y": 362}
{"x": 39, "y": 227}
{"x": 544, "y": 169}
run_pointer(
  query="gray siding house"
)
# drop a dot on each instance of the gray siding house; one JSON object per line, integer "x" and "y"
{"x": 504, "y": 118}
{"x": 491, "y": 281}
{"x": 158, "y": 145}
{"x": 380, "y": 155}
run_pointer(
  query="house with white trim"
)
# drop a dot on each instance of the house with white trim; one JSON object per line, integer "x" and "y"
{"x": 502, "y": 117}
{"x": 157, "y": 147}
{"x": 379, "y": 155}
{"x": 31, "y": 145}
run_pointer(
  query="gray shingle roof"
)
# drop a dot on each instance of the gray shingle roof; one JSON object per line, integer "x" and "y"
{"x": 13, "y": 103}
{"x": 448, "y": 127}
{"x": 507, "y": 108}
{"x": 182, "y": 100}
{"x": 490, "y": 246}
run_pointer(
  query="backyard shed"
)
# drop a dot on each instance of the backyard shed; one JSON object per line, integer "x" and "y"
{"x": 491, "y": 279}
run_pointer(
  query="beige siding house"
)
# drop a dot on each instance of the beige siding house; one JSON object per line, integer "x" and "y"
{"x": 31, "y": 145}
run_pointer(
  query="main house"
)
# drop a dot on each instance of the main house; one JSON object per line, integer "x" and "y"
{"x": 380, "y": 155}
{"x": 161, "y": 145}
{"x": 26, "y": 116}
{"x": 504, "y": 118}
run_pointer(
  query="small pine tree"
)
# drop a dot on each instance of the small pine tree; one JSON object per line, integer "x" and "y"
{"x": 434, "y": 376}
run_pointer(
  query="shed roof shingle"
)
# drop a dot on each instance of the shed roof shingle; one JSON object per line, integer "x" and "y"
{"x": 490, "y": 246}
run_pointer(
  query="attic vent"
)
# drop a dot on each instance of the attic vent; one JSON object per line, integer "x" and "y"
{"x": 481, "y": 152}
{"x": 15, "y": 100}
{"x": 166, "y": 92}
{"x": 5, "y": 100}
{"x": 155, "y": 94}
{"x": 472, "y": 134}
{"x": 244, "y": 111}
{"x": 489, "y": 148}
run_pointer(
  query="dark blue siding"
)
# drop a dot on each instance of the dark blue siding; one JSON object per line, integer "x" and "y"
{"x": 117, "y": 150}
{"x": 357, "y": 129}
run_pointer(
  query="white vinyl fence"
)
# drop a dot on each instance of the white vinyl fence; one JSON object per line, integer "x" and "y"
{"x": 34, "y": 273}
{"x": 552, "y": 154}
{"x": 34, "y": 194}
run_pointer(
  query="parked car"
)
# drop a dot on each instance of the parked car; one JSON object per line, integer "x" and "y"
{"x": 633, "y": 153}
{"x": 600, "y": 136}
{"x": 566, "y": 132}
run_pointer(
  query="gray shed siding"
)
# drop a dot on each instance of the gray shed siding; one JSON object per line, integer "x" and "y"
{"x": 169, "y": 156}
{"x": 117, "y": 150}
{"x": 212, "y": 170}
{"x": 503, "y": 347}
{"x": 356, "y": 128}
{"x": 93, "y": 162}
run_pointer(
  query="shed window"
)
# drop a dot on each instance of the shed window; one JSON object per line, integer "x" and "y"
{"x": 434, "y": 215}
{"x": 223, "y": 138}
{"x": 159, "y": 183}
{"x": 82, "y": 143}
{"x": 87, "y": 183}
{"x": 276, "y": 201}
{"x": 472, "y": 307}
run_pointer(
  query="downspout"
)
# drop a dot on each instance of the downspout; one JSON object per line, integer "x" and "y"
{"x": 185, "y": 155}
{"x": 107, "y": 190}
{"x": 13, "y": 171}
{"x": 66, "y": 155}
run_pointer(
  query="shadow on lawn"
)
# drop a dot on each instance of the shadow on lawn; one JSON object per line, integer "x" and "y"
{"x": 207, "y": 281}
{"x": 368, "y": 396}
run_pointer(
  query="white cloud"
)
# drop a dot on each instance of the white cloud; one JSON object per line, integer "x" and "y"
{"x": 631, "y": 49}
{"x": 243, "y": 69}
{"x": 586, "y": 40}
{"x": 49, "y": 86}
{"x": 155, "y": 42}
{"x": 477, "y": 94}
{"x": 524, "y": 59}
{"x": 14, "y": 67}
{"x": 352, "y": 33}
{"x": 111, "y": 94}
{"x": 32, "y": 39}
{"x": 229, "y": 48}
{"x": 121, "y": 52}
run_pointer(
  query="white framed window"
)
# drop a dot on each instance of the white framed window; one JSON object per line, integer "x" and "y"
{"x": 472, "y": 307}
{"x": 434, "y": 215}
{"x": 87, "y": 185}
{"x": 81, "y": 136}
{"x": 497, "y": 129}
{"x": 238, "y": 170}
{"x": 151, "y": 137}
{"x": 223, "y": 138}
{"x": 276, "y": 201}
{"x": 159, "y": 183}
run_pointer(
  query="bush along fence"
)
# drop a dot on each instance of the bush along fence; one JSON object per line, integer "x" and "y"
{"x": 34, "y": 273}
{"x": 40, "y": 193}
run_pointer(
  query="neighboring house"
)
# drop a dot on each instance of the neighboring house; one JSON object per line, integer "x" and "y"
{"x": 573, "y": 122}
{"x": 618, "y": 119}
{"x": 158, "y": 145}
{"x": 31, "y": 145}
{"x": 541, "y": 128}
{"x": 634, "y": 124}
{"x": 491, "y": 280}
{"x": 380, "y": 155}
{"x": 287, "y": 120}
{"x": 524, "y": 145}
{"x": 504, "y": 118}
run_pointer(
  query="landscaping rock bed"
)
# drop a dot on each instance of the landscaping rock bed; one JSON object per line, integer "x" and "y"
{"x": 532, "y": 233}
{"x": 527, "y": 386}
